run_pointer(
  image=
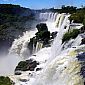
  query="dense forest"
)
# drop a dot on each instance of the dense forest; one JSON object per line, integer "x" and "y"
{"x": 12, "y": 19}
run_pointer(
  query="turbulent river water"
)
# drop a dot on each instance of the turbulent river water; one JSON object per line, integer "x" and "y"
{"x": 60, "y": 63}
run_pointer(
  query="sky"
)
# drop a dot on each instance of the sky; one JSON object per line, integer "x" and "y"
{"x": 39, "y": 4}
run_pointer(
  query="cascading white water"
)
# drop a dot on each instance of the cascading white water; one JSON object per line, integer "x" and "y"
{"x": 63, "y": 68}
{"x": 48, "y": 16}
{"x": 59, "y": 66}
{"x": 57, "y": 44}
{"x": 39, "y": 46}
{"x": 19, "y": 45}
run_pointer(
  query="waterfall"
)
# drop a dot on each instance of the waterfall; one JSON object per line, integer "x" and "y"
{"x": 59, "y": 63}
{"x": 39, "y": 46}
{"x": 54, "y": 21}
{"x": 20, "y": 45}
{"x": 63, "y": 68}
{"x": 57, "y": 44}
{"x": 48, "y": 16}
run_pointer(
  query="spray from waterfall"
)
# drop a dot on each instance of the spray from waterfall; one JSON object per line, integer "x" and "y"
{"x": 63, "y": 68}
{"x": 59, "y": 66}
{"x": 57, "y": 44}
{"x": 20, "y": 45}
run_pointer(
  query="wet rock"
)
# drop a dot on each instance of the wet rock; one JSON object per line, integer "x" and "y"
{"x": 81, "y": 58}
{"x": 53, "y": 34}
{"x": 23, "y": 80}
{"x": 42, "y": 27}
{"x": 65, "y": 27}
{"x": 84, "y": 83}
{"x": 83, "y": 41}
{"x": 34, "y": 55}
{"x": 28, "y": 65}
{"x": 37, "y": 69}
{"x": 82, "y": 30}
{"x": 42, "y": 36}
{"x": 17, "y": 73}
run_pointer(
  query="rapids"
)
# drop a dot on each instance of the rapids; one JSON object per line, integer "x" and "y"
{"x": 59, "y": 63}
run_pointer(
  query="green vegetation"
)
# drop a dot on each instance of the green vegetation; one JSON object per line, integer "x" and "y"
{"x": 13, "y": 19}
{"x": 11, "y": 13}
{"x": 78, "y": 16}
{"x": 5, "y": 81}
{"x": 70, "y": 35}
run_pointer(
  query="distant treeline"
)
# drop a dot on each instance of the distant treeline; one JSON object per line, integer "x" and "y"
{"x": 10, "y": 12}
{"x": 67, "y": 9}
{"x": 12, "y": 9}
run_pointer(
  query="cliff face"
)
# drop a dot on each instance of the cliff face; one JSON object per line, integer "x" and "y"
{"x": 13, "y": 19}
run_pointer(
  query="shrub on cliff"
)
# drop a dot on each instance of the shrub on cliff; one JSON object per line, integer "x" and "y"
{"x": 5, "y": 81}
{"x": 70, "y": 35}
{"x": 77, "y": 17}
{"x": 84, "y": 21}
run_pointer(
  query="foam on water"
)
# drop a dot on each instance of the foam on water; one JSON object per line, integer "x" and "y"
{"x": 59, "y": 63}
{"x": 63, "y": 70}
{"x": 19, "y": 45}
